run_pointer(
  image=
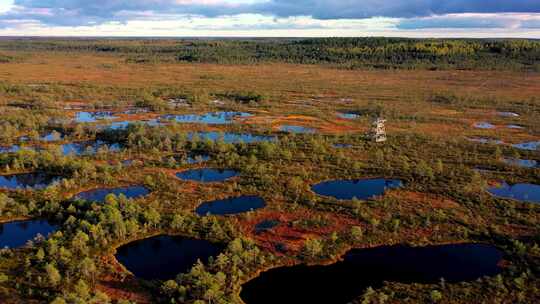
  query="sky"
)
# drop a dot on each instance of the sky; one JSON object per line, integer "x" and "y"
{"x": 271, "y": 18}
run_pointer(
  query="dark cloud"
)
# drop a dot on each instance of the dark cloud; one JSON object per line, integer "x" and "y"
{"x": 87, "y": 12}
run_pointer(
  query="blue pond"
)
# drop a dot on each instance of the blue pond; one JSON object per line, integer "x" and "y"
{"x": 52, "y": 136}
{"x": 27, "y": 180}
{"x": 98, "y": 195}
{"x": 122, "y": 125}
{"x": 524, "y": 163}
{"x": 518, "y": 127}
{"x": 521, "y": 192}
{"x": 530, "y": 146}
{"x": 18, "y": 233}
{"x": 164, "y": 257}
{"x": 342, "y": 146}
{"x": 360, "y": 188}
{"x": 196, "y": 159}
{"x": 296, "y": 129}
{"x": 82, "y": 117}
{"x": 346, "y": 280}
{"x": 233, "y": 205}
{"x": 206, "y": 175}
{"x": 349, "y": 115}
{"x": 10, "y": 149}
{"x": 231, "y": 138}
{"x": 217, "y": 118}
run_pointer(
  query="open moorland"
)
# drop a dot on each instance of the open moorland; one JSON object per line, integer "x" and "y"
{"x": 243, "y": 171}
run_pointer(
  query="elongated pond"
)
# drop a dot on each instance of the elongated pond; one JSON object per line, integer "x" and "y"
{"x": 207, "y": 175}
{"x": 233, "y": 205}
{"x": 520, "y": 192}
{"x": 296, "y": 129}
{"x": 216, "y": 118}
{"x": 524, "y": 163}
{"x": 87, "y": 117}
{"x": 18, "y": 233}
{"x": 346, "y": 280}
{"x": 358, "y": 188}
{"x": 230, "y": 138}
{"x": 27, "y": 180}
{"x": 164, "y": 257}
{"x": 99, "y": 195}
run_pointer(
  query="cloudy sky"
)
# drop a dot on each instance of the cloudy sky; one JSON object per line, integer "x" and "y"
{"x": 410, "y": 18}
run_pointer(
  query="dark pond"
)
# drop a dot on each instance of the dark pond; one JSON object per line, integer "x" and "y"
{"x": 266, "y": 225}
{"x": 521, "y": 192}
{"x": 217, "y": 118}
{"x": 89, "y": 147}
{"x": 206, "y": 175}
{"x": 27, "y": 180}
{"x": 233, "y": 205}
{"x": 514, "y": 127}
{"x": 346, "y": 280}
{"x": 81, "y": 117}
{"x": 98, "y": 195}
{"x": 530, "y": 146}
{"x": 231, "y": 138}
{"x": 296, "y": 129}
{"x": 164, "y": 257}
{"x": 360, "y": 188}
{"x": 484, "y": 125}
{"x": 349, "y": 115}
{"x": 18, "y": 233}
{"x": 342, "y": 146}
{"x": 525, "y": 163}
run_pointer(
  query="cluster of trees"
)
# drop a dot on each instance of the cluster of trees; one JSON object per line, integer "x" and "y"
{"x": 383, "y": 53}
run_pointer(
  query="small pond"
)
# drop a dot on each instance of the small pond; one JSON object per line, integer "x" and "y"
{"x": 359, "y": 188}
{"x": 52, "y": 136}
{"x": 164, "y": 257}
{"x": 484, "y": 140}
{"x": 207, "y": 175}
{"x": 98, "y": 195}
{"x": 88, "y": 147}
{"x": 342, "y": 282}
{"x": 18, "y": 233}
{"x": 517, "y": 127}
{"x": 520, "y": 192}
{"x": 530, "y": 146}
{"x": 82, "y": 117}
{"x": 196, "y": 159}
{"x": 27, "y": 180}
{"x": 217, "y": 118}
{"x": 508, "y": 114}
{"x": 122, "y": 125}
{"x": 231, "y": 138}
{"x": 296, "y": 129}
{"x": 233, "y": 205}
{"x": 342, "y": 146}
{"x": 524, "y": 163}
{"x": 266, "y": 225}
{"x": 348, "y": 115}
{"x": 484, "y": 125}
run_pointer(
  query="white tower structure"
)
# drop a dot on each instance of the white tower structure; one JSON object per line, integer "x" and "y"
{"x": 378, "y": 130}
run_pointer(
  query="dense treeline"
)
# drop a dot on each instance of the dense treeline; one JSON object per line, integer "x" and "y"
{"x": 379, "y": 53}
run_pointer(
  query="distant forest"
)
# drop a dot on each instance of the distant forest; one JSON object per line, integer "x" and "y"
{"x": 350, "y": 53}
